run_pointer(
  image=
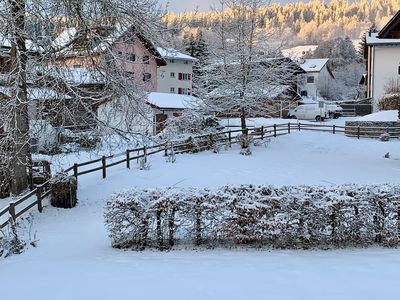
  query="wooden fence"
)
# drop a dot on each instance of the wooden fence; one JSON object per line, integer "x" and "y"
{"x": 199, "y": 143}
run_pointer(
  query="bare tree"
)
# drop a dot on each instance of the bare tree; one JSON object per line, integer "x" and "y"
{"x": 248, "y": 70}
{"x": 40, "y": 42}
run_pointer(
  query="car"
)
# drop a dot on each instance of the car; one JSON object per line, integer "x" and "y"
{"x": 309, "y": 112}
{"x": 335, "y": 111}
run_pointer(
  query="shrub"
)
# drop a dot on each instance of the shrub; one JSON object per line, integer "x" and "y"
{"x": 267, "y": 216}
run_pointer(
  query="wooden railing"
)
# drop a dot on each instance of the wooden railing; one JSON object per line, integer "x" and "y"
{"x": 201, "y": 142}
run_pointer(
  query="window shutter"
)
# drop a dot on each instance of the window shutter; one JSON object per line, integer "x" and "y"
{"x": 180, "y": 76}
{"x": 189, "y": 76}
{"x": 180, "y": 89}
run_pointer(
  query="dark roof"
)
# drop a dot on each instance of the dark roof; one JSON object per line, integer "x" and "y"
{"x": 394, "y": 23}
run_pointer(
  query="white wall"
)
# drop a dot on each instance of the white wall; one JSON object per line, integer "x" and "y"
{"x": 386, "y": 64}
{"x": 164, "y": 80}
{"x": 312, "y": 88}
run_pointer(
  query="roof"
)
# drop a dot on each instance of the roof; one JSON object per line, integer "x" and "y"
{"x": 169, "y": 53}
{"x": 171, "y": 101}
{"x": 313, "y": 64}
{"x": 30, "y": 45}
{"x": 81, "y": 75}
{"x": 395, "y": 21}
{"x": 374, "y": 40}
{"x": 37, "y": 93}
{"x": 72, "y": 36}
{"x": 268, "y": 91}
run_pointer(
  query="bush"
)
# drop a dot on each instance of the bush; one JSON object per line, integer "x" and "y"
{"x": 390, "y": 102}
{"x": 263, "y": 216}
{"x": 384, "y": 137}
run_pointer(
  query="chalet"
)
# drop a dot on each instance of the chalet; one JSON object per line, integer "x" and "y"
{"x": 317, "y": 73}
{"x": 177, "y": 76}
{"x": 383, "y": 59}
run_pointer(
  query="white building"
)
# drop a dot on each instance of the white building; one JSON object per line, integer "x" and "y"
{"x": 383, "y": 59}
{"x": 177, "y": 76}
{"x": 317, "y": 74}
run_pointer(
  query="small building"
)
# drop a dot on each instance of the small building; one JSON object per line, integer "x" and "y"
{"x": 176, "y": 77}
{"x": 383, "y": 60}
{"x": 317, "y": 74}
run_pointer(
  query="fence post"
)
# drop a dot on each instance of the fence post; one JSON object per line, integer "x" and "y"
{"x": 128, "y": 159}
{"x": 262, "y": 132}
{"x": 288, "y": 127}
{"x": 145, "y": 154}
{"x": 274, "y": 130}
{"x": 76, "y": 170}
{"x": 334, "y": 129}
{"x": 11, "y": 210}
{"x": 299, "y": 125}
{"x": 39, "y": 198}
{"x": 230, "y": 138}
{"x": 103, "y": 164}
{"x": 358, "y": 132}
{"x": 166, "y": 149}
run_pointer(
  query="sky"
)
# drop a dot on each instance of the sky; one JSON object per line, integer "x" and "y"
{"x": 203, "y": 5}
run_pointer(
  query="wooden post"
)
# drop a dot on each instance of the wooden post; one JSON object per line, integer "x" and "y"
{"x": 103, "y": 164}
{"x": 358, "y": 132}
{"x": 76, "y": 170}
{"x": 39, "y": 198}
{"x": 145, "y": 154}
{"x": 262, "y": 132}
{"x": 230, "y": 138}
{"x": 288, "y": 127}
{"x": 11, "y": 210}
{"x": 299, "y": 126}
{"x": 274, "y": 130}
{"x": 334, "y": 129}
{"x": 166, "y": 149}
{"x": 128, "y": 160}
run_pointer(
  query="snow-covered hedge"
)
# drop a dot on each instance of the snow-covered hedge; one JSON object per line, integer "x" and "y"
{"x": 280, "y": 217}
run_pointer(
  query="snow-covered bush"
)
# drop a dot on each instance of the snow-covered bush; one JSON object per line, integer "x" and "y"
{"x": 384, "y": 137}
{"x": 44, "y": 137}
{"x": 281, "y": 217}
{"x": 16, "y": 236}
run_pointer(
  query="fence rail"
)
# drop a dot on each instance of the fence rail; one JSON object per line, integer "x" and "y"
{"x": 197, "y": 143}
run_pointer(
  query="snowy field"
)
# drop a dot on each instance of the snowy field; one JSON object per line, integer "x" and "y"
{"x": 74, "y": 259}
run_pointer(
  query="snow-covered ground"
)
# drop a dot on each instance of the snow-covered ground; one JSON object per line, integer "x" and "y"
{"x": 74, "y": 259}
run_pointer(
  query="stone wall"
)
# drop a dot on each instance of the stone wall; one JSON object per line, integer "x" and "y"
{"x": 372, "y": 128}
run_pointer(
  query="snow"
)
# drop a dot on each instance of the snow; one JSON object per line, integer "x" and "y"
{"x": 37, "y": 93}
{"x": 387, "y": 116}
{"x": 298, "y": 51}
{"x": 170, "y": 101}
{"x": 314, "y": 64}
{"x": 74, "y": 259}
{"x": 169, "y": 53}
{"x": 374, "y": 40}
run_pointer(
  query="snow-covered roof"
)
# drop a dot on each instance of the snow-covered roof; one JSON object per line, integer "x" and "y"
{"x": 171, "y": 101}
{"x": 267, "y": 91}
{"x": 80, "y": 75}
{"x": 37, "y": 93}
{"x": 313, "y": 64}
{"x": 374, "y": 40}
{"x": 30, "y": 45}
{"x": 174, "y": 54}
{"x": 298, "y": 51}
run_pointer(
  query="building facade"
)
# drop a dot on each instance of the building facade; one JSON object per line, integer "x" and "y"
{"x": 383, "y": 60}
{"x": 176, "y": 77}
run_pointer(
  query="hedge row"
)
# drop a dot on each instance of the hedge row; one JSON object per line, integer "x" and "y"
{"x": 266, "y": 216}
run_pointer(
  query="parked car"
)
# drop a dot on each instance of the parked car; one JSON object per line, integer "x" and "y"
{"x": 309, "y": 112}
{"x": 335, "y": 111}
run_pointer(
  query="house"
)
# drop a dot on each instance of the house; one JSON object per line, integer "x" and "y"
{"x": 176, "y": 77}
{"x": 317, "y": 73}
{"x": 383, "y": 60}
{"x": 167, "y": 105}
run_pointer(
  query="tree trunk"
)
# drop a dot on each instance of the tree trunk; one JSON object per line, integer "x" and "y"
{"x": 19, "y": 127}
{"x": 243, "y": 121}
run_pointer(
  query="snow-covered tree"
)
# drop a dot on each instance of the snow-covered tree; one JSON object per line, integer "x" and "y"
{"x": 31, "y": 68}
{"x": 245, "y": 70}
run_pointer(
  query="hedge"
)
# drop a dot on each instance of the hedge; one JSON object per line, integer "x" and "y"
{"x": 288, "y": 217}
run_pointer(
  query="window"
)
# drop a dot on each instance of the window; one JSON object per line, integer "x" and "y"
{"x": 146, "y": 77}
{"x": 184, "y": 76}
{"x": 172, "y": 61}
{"x": 172, "y": 74}
{"x": 131, "y": 57}
{"x": 130, "y": 74}
{"x": 77, "y": 66}
{"x": 146, "y": 59}
{"x": 186, "y": 62}
{"x": 184, "y": 91}
{"x": 120, "y": 54}
{"x": 304, "y": 93}
{"x": 398, "y": 71}
{"x": 310, "y": 79}
{"x": 172, "y": 90}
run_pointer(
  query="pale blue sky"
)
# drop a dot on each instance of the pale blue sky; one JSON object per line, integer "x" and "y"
{"x": 188, "y": 5}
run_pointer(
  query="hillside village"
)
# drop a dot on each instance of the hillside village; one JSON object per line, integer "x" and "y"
{"x": 246, "y": 151}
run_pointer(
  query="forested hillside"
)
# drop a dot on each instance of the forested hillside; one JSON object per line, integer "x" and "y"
{"x": 304, "y": 23}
